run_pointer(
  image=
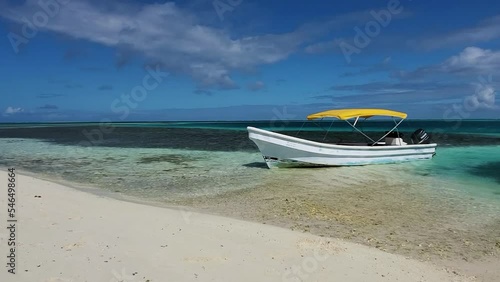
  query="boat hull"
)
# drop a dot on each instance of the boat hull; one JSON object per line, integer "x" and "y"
{"x": 281, "y": 150}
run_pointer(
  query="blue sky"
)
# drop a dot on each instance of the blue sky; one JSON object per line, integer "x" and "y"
{"x": 68, "y": 60}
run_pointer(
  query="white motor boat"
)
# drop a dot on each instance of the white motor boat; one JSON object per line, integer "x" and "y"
{"x": 281, "y": 150}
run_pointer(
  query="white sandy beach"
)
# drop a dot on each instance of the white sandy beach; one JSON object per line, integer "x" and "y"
{"x": 69, "y": 235}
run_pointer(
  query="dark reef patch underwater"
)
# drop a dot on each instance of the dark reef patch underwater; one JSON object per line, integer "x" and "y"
{"x": 489, "y": 170}
{"x": 232, "y": 136}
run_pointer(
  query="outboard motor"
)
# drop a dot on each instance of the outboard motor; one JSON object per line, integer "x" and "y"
{"x": 420, "y": 137}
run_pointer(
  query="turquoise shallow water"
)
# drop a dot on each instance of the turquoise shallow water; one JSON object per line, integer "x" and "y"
{"x": 475, "y": 168}
{"x": 145, "y": 172}
{"x": 187, "y": 155}
{"x": 174, "y": 173}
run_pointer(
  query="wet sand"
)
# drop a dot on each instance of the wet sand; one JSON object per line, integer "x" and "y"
{"x": 393, "y": 214}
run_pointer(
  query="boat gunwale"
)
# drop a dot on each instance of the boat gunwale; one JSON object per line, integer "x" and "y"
{"x": 337, "y": 146}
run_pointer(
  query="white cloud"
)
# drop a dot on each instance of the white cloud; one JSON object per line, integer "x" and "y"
{"x": 164, "y": 34}
{"x": 174, "y": 37}
{"x": 472, "y": 61}
{"x": 483, "y": 98}
{"x": 12, "y": 110}
{"x": 449, "y": 80}
{"x": 472, "y": 64}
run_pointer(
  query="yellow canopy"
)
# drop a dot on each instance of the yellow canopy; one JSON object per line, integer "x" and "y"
{"x": 344, "y": 114}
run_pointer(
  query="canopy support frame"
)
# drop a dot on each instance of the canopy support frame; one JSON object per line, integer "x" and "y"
{"x": 362, "y": 133}
{"x": 388, "y": 132}
{"x": 328, "y": 131}
{"x": 353, "y": 125}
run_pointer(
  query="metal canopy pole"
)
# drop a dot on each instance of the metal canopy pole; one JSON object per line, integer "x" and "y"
{"x": 300, "y": 128}
{"x": 353, "y": 126}
{"x": 328, "y": 130}
{"x": 388, "y": 132}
